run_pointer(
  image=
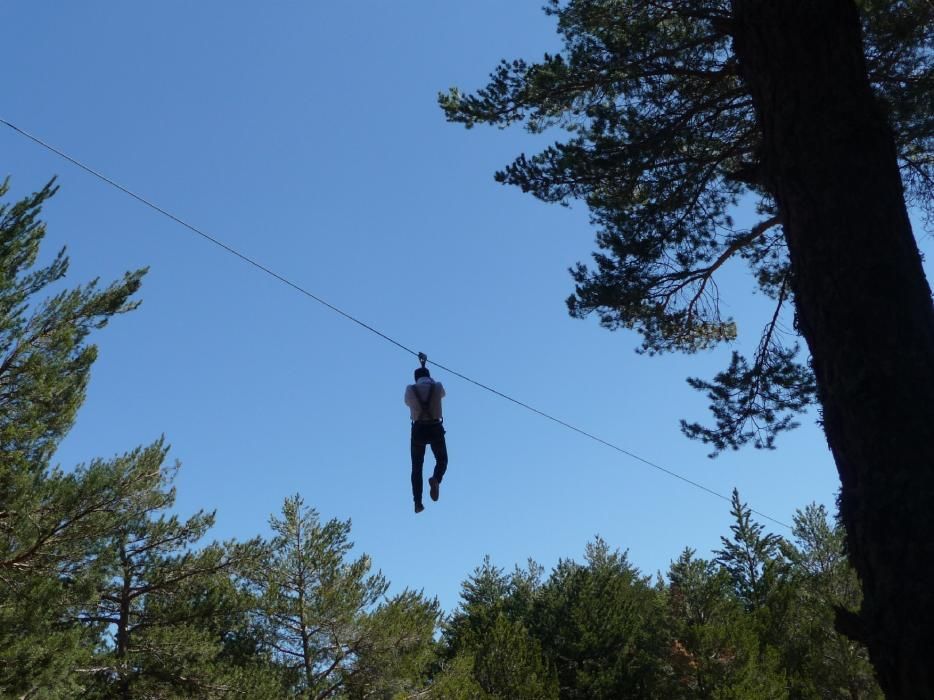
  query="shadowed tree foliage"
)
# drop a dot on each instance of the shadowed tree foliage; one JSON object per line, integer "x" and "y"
{"x": 714, "y": 649}
{"x": 508, "y": 663}
{"x": 755, "y": 622}
{"x": 819, "y": 112}
{"x": 663, "y": 145}
{"x": 589, "y": 631}
{"x": 491, "y": 652}
{"x": 599, "y": 626}
{"x": 484, "y": 596}
{"x": 819, "y": 580}
{"x": 749, "y": 556}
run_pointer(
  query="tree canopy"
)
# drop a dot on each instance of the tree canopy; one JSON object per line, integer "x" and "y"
{"x": 754, "y": 622}
{"x": 663, "y": 146}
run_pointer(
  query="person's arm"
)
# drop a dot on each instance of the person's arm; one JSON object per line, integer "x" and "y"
{"x": 409, "y": 399}
{"x": 440, "y": 386}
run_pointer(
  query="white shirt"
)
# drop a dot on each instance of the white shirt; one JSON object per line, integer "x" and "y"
{"x": 421, "y": 386}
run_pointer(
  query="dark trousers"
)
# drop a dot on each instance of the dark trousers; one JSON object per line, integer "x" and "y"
{"x": 423, "y": 435}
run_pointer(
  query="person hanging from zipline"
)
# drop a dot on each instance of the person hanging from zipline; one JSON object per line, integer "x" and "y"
{"x": 424, "y": 401}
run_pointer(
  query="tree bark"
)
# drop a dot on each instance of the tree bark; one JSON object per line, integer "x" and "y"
{"x": 863, "y": 306}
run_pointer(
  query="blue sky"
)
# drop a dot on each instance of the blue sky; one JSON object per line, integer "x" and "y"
{"x": 307, "y": 135}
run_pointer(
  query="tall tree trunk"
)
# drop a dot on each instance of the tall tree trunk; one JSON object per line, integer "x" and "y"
{"x": 863, "y": 306}
{"x": 123, "y": 626}
{"x": 302, "y": 583}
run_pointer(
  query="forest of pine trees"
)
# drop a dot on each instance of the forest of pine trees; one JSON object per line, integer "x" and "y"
{"x": 106, "y": 592}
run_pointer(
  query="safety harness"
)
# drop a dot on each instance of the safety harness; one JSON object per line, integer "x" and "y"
{"x": 424, "y": 414}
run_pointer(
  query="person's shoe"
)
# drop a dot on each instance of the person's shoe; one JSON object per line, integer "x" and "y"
{"x": 419, "y": 507}
{"x": 435, "y": 487}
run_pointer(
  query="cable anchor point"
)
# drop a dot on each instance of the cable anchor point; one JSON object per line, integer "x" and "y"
{"x": 423, "y": 358}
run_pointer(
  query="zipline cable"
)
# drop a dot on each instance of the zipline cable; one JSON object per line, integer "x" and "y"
{"x": 203, "y": 234}
{"x": 245, "y": 258}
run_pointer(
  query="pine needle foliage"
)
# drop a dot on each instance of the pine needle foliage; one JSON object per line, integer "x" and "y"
{"x": 51, "y": 521}
{"x": 657, "y": 135}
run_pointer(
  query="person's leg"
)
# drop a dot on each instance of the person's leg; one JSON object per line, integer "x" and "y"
{"x": 418, "y": 460}
{"x": 439, "y": 449}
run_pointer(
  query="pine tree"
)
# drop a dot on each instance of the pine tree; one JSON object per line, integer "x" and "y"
{"x": 714, "y": 649}
{"x": 749, "y": 556}
{"x": 220, "y": 610}
{"x": 54, "y": 560}
{"x": 160, "y": 642}
{"x": 483, "y": 598}
{"x": 44, "y": 359}
{"x": 599, "y": 625}
{"x": 508, "y": 663}
{"x": 819, "y": 111}
{"x": 396, "y": 648}
{"x": 490, "y": 650}
{"x": 821, "y": 662}
{"x": 51, "y": 522}
{"x": 327, "y": 621}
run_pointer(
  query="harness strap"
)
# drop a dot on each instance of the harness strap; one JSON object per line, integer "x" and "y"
{"x": 425, "y": 412}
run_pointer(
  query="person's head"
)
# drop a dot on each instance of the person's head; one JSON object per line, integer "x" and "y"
{"x": 421, "y": 372}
